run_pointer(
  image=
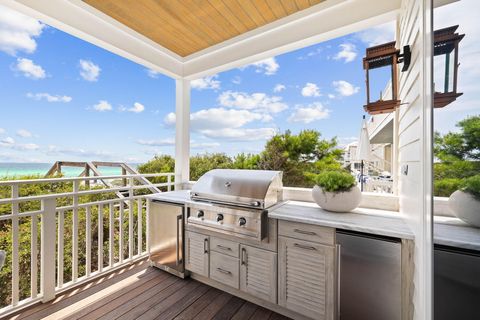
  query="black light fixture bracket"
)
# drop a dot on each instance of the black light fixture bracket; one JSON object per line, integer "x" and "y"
{"x": 405, "y": 58}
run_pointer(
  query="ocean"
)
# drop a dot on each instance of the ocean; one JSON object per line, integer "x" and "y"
{"x": 12, "y": 170}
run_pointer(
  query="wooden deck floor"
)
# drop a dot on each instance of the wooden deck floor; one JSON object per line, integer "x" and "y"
{"x": 142, "y": 292}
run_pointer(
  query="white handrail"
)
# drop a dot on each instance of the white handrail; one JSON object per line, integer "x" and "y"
{"x": 100, "y": 219}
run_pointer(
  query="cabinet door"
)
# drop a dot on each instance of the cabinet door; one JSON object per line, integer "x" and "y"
{"x": 306, "y": 278}
{"x": 258, "y": 273}
{"x": 197, "y": 248}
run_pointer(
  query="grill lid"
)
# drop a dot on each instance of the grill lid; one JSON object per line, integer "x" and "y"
{"x": 250, "y": 188}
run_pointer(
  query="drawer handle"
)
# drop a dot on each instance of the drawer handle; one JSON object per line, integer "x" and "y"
{"x": 224, "y": 247}
{"x": 304, "y": 247}
{"x": 243, "y": 260}
{"x": 205, "y": 245}
{"x": 223, "y": 271}
{"x": 310, "y": 233}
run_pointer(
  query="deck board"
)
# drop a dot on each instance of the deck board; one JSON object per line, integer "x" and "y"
{"x": 142, "y": 292}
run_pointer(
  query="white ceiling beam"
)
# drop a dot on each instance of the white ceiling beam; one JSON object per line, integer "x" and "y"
{"x": 327, "y": 20}
{"x": 85, "y": 22}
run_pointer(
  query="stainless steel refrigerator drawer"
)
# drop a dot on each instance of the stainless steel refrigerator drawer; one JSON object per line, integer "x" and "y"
{"x": 165, "y": 237}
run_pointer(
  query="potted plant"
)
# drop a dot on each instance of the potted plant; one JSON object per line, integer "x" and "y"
{"x": 465, "y": 202}
{"x": 336, "y": 191}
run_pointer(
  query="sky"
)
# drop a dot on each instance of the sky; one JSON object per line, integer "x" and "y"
{"x": 64, "y": 98}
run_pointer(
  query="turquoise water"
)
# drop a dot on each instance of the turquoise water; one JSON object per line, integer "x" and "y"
{"x": 22, "y": 169}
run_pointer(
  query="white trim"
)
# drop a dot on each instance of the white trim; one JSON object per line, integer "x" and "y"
{"x": 182, "y": 131}
{"x": 427, "y": 147}
{"x": 330, "y": 20}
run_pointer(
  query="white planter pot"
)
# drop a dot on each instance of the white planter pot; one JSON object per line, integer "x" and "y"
{"x": 465, "y": 207}
{"x": 337, "y": 201}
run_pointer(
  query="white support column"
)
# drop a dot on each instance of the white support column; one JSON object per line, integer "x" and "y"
{"x": 182, "y": 132}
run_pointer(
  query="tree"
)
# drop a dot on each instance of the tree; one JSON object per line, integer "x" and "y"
{"x": 463, "y": 145}
{"x": 458, "y": 154}
{"x": 299, "y": 156}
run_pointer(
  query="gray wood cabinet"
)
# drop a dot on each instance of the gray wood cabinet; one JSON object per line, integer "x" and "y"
{"x": 306, "y": 277}
{"x": 197, "y": 249}
{"x": 258, "y": 273}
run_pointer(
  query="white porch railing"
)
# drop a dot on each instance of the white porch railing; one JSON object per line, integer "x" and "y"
{"x": 55, "y": 241}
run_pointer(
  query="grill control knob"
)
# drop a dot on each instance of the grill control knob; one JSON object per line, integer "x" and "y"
{"x": 200, "y": 214}
{"x": 219, "y": 217}
{"x": 242, "y": 221}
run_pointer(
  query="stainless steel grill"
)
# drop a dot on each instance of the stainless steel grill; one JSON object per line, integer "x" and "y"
{"x": 235, "y": 202}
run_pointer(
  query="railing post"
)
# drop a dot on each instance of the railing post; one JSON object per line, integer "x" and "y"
{"x": 48, "y": 233}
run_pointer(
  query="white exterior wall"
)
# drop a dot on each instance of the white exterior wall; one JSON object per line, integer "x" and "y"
{"x": 413, "y": 124}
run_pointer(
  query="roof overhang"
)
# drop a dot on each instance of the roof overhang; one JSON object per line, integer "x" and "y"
{"x": 326, "y": 20}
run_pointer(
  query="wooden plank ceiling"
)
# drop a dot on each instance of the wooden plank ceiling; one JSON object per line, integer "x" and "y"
{"x": 188, "y": 26}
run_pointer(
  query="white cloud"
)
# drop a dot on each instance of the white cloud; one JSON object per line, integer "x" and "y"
{"x": 345, "y": 88}
{"x": 208, "y": 119}
{"x": 136, "y": 108}
{"x": 26, "y": 147}
{"x": 2, "y": 130}
{"x": 153, "y": 74}
{"x": 7, "y": 142}
{"x": 240, "y": 134}
{"x": 377, "y": 35}
{"x": 348, "y": 53}
{"x": 331, "y": 96}
{"x": 18, "y": 32}
{"x": 48, "y": 97}
{"x": 204, "y": 145}
{"x": 259, "y": 102}
{"x": 312, "y": 53}
{"x": 236, "y": 80}
{"x": 312, "y": 112}
{"x": 24, "y": 133}
{"x": 79, "y": 152}
{"x": 279, "y": 88}
{"x": 29, "y": 69}
{"x": 102, "y": 105}
{"x": 157, "y": 143}
{"x": 267, "y": 66}
{"x": 89, "y": 70}
{"x": 209, "y": 82}
{"x": 310, "y": 90}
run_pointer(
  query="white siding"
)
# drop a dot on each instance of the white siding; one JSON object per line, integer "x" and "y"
{"x": 413, "y": 138}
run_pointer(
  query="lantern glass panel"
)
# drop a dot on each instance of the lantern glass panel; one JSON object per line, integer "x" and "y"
{"x": 380, "y": 83}
{"x": 443, "y": 72}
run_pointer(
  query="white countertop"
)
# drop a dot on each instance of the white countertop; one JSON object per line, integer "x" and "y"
{"x": 453, "y": 232}
{"x": 447, "y": 231}
{"x": 378, "y": 222}
{"x": 180, "y": 197}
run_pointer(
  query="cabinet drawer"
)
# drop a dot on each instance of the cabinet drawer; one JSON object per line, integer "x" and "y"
{"x": 224, "y": 269}
{"x": 227, "y": 247}
{"x": 307, "y": 232}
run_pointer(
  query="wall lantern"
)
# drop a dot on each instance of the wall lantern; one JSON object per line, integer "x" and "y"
{"x": 385, "y": 56}
{"x": 445, "y": 50}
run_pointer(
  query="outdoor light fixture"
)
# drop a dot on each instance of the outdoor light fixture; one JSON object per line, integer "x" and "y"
{"x": 385, "y": 56}
{"x": 445, "y": 50}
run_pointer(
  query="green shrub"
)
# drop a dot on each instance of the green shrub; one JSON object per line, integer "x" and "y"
{"x": 335, "y": 181}
{"x": 445, "y": 187}
{"x": 472, "y": 186}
